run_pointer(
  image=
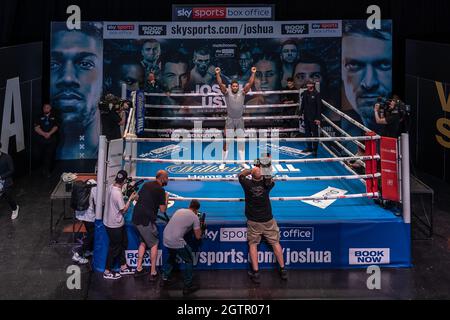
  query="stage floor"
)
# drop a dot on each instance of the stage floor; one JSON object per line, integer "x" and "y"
{"x": 342, "y": 210}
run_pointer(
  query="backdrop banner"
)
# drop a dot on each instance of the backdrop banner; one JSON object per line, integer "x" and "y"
{"x": 340, "y": 55}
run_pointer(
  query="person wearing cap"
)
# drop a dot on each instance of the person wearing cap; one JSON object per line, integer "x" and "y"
{"x": 152, "y": 198}
{"x": 88, "y": 218}
{"x": 310, "y": 110}
{"x": 113, "y": 219}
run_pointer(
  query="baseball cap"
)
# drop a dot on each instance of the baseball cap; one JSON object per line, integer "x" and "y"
{"x": 121, "y": 176}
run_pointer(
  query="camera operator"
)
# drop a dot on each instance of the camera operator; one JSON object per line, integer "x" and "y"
{"x": 113, "y": 219}
{"x": 390, "y": 115}
{"x": 112, "y": 116}
{"x": 181, "y": 223}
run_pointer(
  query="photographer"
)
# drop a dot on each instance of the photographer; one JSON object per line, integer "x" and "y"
{"x": 390, "y": 116}
{"x": 112, "y": 116}
{"x": 260, "y": 221}
{"x": 152, "y": 197}
{"x": 182, "y": 222}
{"x": 113, "y": 219}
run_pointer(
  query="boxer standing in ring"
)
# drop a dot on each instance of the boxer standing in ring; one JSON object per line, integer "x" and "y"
{"x": 234, "y": 99}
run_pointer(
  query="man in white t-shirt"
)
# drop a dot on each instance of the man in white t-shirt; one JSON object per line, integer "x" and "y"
{"x": 113, "y": 219}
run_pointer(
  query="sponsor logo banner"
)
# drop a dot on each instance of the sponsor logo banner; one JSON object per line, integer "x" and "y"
{"x": 326, "y": 28}
{"x": 323, "y": 204}
{"x": 286, "y": 234}
{"x": 200, "y": 29}
{"x": 163, "y": 152}
{"x": 220, "y": 12}
{"x": 119, "y": 30}
{"x": 152, "y": 30}
{"x": 295, "y": 29}
{"x": 369, "y": 256}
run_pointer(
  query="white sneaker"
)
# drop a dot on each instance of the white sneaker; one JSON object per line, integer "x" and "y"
{"x": 15, "y": 213}
{"x": 111, "y": 275}
{"x": 222, "y": 166}
{"x": 79, "y": 259}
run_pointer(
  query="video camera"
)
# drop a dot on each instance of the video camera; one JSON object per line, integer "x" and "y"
{"x": 202, "y": 217}
{"x": 402, "y": 108}
{"x": 132, "y": 186}
{"x": 111, "y": 103}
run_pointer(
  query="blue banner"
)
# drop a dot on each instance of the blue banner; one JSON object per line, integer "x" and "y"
{"x": 316, "y": 245}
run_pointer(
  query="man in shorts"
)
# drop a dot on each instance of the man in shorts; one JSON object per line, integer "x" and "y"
{"x": 151, "y": 198}
{"x": 260, "y": 221}
{"x": 234, "y": 125}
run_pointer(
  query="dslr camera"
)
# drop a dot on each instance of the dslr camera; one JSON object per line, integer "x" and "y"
{"x": 132, "y": 186}
{"x": 202, "y": 218}
{"x": 265, "y": 163}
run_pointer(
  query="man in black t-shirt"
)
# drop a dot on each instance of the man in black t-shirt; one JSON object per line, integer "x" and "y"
{"x": 260, "y": 221}
{"x": 311, "y": 109}
{"x": 46, "y": 127}
{"x": 290, "y": 98}
{"x": 152, "y": 198}
{"x": 389, "y": 118}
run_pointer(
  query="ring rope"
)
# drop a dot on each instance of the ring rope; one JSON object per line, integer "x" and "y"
{"x": 307, "y": 198}
{"x": 347, "y": 117}
{"x": 311, "y": 139}
{"x": 128, "y": 126}
{"x": 235, "y": 179}
{"x": 212, "y": 94}
{"x": 218, "y": 131}
{"x": 359, "y": 144}
{"x": 348, "y": 152}
{"x": 346, "y": 167}
{"x": 255, "y": 106}
{"x": 312, "y": 160}
{"x": 221, "y": 118}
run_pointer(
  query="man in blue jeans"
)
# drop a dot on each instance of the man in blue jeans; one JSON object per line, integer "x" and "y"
{"x": 182, "y": 222}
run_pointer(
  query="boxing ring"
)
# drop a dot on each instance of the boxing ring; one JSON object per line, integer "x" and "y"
{"x": 326, "y": 211}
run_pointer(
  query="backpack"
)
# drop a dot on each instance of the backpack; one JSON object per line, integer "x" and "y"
{"x": 81, "y": 191}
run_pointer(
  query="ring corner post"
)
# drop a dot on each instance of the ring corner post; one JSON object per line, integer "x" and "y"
{"x": 405, "y": 178}
{"x": 101, "y": 174}
{"x": 371, "y": 165}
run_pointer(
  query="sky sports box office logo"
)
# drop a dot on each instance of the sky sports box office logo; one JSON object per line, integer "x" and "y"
{"x": 295, "y": 29}
{"x": 187, "y": 13}
{"x": 331, "y": 28}
{"x": 297, "y": 234}
{"x": 327, "y": 25}
{"x": 152, "y": 30}
{"x": 119, "y": 29}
